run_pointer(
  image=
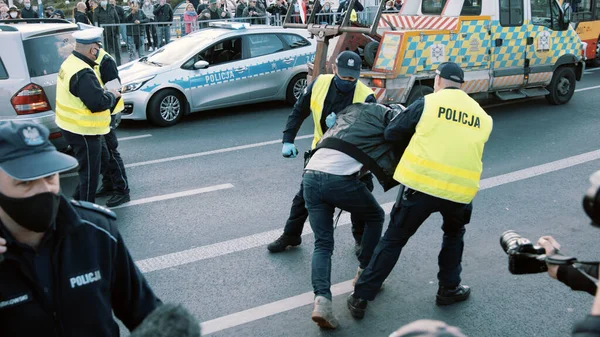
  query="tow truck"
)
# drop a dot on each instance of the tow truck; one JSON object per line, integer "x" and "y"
{"x": 508, "y": 49}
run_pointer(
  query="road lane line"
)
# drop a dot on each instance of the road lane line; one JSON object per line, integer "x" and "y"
{"x": 290, "y": 303}
{"x": 260, "y": 239}
{"x": 271, "y": 142}
{"x": 174, "y": 195}
{"x": 199, "y": 154}
{"x": 134, "y": 137}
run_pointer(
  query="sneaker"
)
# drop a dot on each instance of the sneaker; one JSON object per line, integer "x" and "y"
{"x": 118, "y": 199}
{"x": 323, "y": 313}
{"x": 357, "y": 306}
{"x": 447, "y": 296}
{"x": 283, "y": 242}
{"x": 150, "y": 49}
{"x": 104, "y": 191}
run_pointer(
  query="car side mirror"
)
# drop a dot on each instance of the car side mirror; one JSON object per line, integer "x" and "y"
{"x": 201, "y": 65}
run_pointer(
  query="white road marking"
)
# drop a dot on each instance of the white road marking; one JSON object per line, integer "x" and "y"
{"x": 260, "y": 239}
{"x": 588, "y": 88}
{"x": 175, "y": 195}
{"x": 198, "y": 154}
{"x": 593, "y": 69}
{"x": 134, "y": 137}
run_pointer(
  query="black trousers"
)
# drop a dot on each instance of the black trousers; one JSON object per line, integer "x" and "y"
{"x": 410, "y": 211}
{"x": 112, "y": 167}
{"x": 112, "y": 43}
{"x": 298, "y": 214}
{"x": 87, "y": 151}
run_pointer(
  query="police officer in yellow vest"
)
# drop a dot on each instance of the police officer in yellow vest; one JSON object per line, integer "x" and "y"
{"x": 83, "y": 108}
{"x": 440, "y": 170}
{"x": 114, "y": 177}
{"x": 323, "y": 97}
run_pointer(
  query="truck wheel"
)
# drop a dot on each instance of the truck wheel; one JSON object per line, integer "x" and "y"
{"x": 166, "y": 108}
{"x": 370, "y": 52}
{"x": 295, "y": 88}
{"x": 417, "y": 92}
{"x": 562, "y": 86}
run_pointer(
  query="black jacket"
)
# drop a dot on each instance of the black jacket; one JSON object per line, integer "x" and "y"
{"x": 138, "y": 29}
{"x": 163, "y": 13}
{"x": 93, "y": 275}
{"x": 589, "y": 327}
{"x": 335, "y": 101}
{"x": 120, "y": 13}
{"x": 358, "y": 132}
{"x": 106, "y": 16}
{"x": 81, "y": 17}
{"x": 29, "y": 13}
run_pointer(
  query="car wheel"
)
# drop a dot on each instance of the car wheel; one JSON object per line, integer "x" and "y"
{"x": 562, "y": 86}
{"x": 166, "y": 108}
{"x": 371, "y": 52}
{"x": 417, "y": 92}
{"x": 296, "y": 88}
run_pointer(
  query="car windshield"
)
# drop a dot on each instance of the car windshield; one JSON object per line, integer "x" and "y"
{"x": 46, "y": 54}
{"x": 179, "y": 48}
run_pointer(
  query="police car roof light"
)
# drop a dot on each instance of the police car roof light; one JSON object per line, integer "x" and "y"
{"x": 229, "y": 25}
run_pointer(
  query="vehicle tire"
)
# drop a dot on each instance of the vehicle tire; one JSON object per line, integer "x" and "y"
{"x": 370, "y": 52}
{"x": 166, "y": 108}
{"x": 295, "y": 88}
{"x": 595, "y": 62}
{"x": 417, "y": 92}
{"x": 562, "y": 86}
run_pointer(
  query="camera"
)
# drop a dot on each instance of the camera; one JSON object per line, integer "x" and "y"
{"x": 526, "y": 258}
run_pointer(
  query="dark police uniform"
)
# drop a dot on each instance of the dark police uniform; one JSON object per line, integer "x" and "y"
{"x": 441, "y": 169}
{"x": 71, "y": 285}
{"x": 114, "y": 177}
{"x": 330, "y": 99}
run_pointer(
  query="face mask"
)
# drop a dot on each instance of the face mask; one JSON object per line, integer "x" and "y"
{"x": 27, "y": 6}
{"x": 343, "y": 85}
{"x": 326, "y": 8}
{"x": 296, "y": 7}
{"x": 103, "y": 3}
{"x": 19, "y": 209}
{"x": 13, "y": 15}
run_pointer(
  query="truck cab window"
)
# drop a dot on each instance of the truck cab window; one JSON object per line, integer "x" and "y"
{"x": 432, "y": 7}
{"x": 511, "y": 13}
{"x": 546, "y": 13}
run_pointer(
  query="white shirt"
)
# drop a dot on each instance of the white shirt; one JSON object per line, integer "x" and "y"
{"x": 333, "y": 162}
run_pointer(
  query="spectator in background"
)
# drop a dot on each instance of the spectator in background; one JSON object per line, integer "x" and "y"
{"x": 202, "y": 6}
{"x": 91, "y": 8}
{"x": 48, "y": 12}
{"x": 80, "y": 15}
{"x": 389, "y": 7}
{"x": 253, "y": 12}
{"x": 28, "y": 12}
{"x": 4, "y": 12}
{"x": 14, "y": 13}
{"x": 58, "y": 14}
{"x": 195, "y": 3}
{"x": 190, "y": 17}
{"x": 326, "y": 17}
{"x": 239, "y": 10}
{"x": 135, "y": 36}
{"x": 163, "y": 13}
{"x": 214, "y": 12}
{"x": 148, "y": 9}
{"x": 278, "y": 9}
{"x": 121, "y": 15}
{"x": 398, "y": 4}
{"x": 106, "y": 14}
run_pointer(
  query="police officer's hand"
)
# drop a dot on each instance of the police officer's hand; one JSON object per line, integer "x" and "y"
{"x": 115, "y": 93}
{"x": 551, "y": 246}
{"x": 2, "y": 246}
{"x": 289, "y": 150}
{"x": 330, "y": 120}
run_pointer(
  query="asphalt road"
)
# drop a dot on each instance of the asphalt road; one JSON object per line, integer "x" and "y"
{"x": 206, "y": 248}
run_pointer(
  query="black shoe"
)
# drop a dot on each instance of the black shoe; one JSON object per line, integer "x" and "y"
{"x": 357, "y": 306}
{"x": 283, "y": 242}
{"x": 104, "y": 191}
{"x": 447, "y": 296}
{"x": 118, "y": 199}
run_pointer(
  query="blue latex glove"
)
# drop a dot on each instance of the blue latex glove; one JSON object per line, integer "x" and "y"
{"x": 330, "y": 120}
{"x": 289, "y": 150}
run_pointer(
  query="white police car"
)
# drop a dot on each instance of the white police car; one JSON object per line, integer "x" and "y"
{"x": 225, "y": 65}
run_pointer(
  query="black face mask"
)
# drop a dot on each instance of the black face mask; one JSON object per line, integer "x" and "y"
{"x": 35, "y": 213}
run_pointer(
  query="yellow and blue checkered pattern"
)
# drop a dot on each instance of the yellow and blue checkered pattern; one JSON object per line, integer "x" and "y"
{"x": 389, "y": 51}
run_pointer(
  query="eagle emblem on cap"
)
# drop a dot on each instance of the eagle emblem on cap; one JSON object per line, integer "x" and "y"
{"x": 350, "y": 62}
{"x": 32, "y": 137}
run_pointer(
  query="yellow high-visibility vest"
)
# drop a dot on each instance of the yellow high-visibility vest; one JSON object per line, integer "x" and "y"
{"x": 443, "y": 158}
{"x": 317, "y": 100}
{"x": 71, "y": 114}
{"x": 353, "y": 16}
{"x": 101, "y": 55}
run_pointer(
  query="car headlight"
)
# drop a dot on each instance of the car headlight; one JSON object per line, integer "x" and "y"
{"x": 133, "y": 86}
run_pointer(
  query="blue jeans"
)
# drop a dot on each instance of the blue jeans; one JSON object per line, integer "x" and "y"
{"x": 410, "y": 211}
{"x": 163, "y": 33}
{"x": 323, "y": 192}
{"x": 123, "y": 31}
{"x": 135, "y": 44}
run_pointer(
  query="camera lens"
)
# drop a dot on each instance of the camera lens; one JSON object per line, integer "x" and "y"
{"x": 509, "y": 240}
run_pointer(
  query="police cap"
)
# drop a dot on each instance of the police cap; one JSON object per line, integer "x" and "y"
{"x": 27, "y": 154}
{"x": 451, "y": 71}
{"x": 88, "y": 36}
